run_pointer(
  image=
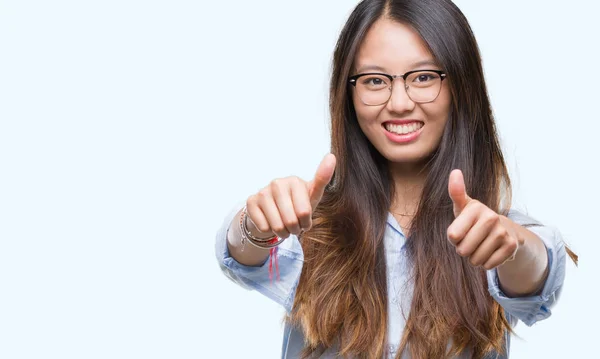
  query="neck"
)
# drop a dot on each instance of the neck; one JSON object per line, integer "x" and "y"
{"x": 409, "y": 180}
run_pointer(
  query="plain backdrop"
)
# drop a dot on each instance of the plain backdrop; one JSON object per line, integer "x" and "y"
{"x": 129, "y": 129}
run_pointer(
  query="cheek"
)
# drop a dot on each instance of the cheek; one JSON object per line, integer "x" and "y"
{"x": 365, "y": 114}
{"x": 438, "y": 111}
{"x": 445, "y": 100}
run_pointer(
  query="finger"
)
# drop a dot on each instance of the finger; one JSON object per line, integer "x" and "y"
{"x": 480, "y": 231}
{"x": 282, "y": 194}
{"x": 457, "y": 191}
{"x": 256, "y": 217}
{"x": 490, "y": 245}
{"x": 459, "y": 228}
{"x": 505, "y": 253}
{"x": 323, "y": 176}
{"x": 301, "y": 203}
{"x": 271, "y": 212}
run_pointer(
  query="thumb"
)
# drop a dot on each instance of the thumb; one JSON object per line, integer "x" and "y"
{"x": 457, "y": 191}
{"x": 316, "y": 187}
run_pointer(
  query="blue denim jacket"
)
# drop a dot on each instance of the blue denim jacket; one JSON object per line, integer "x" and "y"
{"x": 526, "y": 309}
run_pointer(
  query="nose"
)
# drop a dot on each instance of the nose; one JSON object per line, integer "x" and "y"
{"x": 399, "y": 101}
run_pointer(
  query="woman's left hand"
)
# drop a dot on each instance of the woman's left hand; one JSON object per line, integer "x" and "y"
{"x": 478, "y": 232}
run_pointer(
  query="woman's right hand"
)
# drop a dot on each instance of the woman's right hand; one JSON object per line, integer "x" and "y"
{"x": 285, "y": 206}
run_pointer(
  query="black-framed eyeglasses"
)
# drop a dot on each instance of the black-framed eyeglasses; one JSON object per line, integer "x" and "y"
{"x": 375, "y": 88}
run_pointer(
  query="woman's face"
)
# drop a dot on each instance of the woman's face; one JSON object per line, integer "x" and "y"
{"x": 402, "y": 130}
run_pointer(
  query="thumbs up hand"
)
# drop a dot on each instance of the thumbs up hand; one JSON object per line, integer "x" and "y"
{"x": 478, "y": 232}
{"x": 285, "y": 206}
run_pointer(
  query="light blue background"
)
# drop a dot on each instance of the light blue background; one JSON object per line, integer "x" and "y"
{"x": 128, "y": 129}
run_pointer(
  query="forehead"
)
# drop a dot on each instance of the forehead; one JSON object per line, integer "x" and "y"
{"x": 393, "y": 46}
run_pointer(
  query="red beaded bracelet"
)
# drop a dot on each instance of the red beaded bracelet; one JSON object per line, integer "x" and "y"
{"x": 270, "y": 243}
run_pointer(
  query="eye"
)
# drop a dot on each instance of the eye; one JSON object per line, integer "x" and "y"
{"x": 374, "y": 82}
{"x": 424, "y": 77}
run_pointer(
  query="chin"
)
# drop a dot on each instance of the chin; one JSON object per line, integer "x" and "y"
{"x": 407, "y": 156}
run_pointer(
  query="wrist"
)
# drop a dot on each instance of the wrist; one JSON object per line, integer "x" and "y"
{"x": 528, "y": 250}
{"x": 254, "y": 231}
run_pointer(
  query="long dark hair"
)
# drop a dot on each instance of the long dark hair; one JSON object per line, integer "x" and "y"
{"x": 341, "y": 298}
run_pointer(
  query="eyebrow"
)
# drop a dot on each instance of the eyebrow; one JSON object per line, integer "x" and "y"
{"x": 412, "y": 66}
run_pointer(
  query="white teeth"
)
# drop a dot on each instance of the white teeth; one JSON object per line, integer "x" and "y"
{"x": 403, "y": 129}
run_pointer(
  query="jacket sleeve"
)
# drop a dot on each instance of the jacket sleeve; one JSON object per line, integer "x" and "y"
{"x": 289, "y": 258}
{"x": 535, "y": 308}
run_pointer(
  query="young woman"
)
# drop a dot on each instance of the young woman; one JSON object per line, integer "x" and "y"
{"x": 404, "y": 244}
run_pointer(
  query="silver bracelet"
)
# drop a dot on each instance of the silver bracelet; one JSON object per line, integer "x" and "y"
{"x": 246, "y": 235}
{"x": 267, "y": 245}
{"x": 249, "y": 235}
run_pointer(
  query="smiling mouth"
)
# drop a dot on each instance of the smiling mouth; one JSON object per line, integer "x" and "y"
{"x": 403, "y": 129}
